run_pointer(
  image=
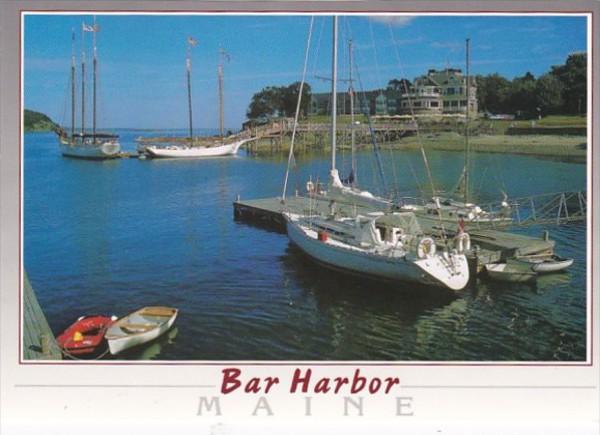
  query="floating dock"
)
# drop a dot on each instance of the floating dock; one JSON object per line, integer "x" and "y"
{"x": 38, "y": 339}
{"x": 492, "y": 245}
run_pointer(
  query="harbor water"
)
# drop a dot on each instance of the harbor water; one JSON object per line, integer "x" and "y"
{"x": 108, "y": 237}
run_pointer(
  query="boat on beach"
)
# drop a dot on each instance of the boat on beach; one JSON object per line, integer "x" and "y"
{"x": 82, "y": 144}
{"x": 139, "y": 327}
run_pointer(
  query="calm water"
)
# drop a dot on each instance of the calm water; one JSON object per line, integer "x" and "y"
{"x": 110, "y": 237}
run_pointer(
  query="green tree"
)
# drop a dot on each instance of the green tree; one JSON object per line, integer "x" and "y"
{"x": 275, "y": 101}
{"x": 549, "y": 91}
{"x": 265, "y": 103}
{"x": 289, "y": 99}
{"x": 573, "y": 76}
{"x": 523, "y": 98}
{"x": 402, "y": 85}
{"x": 492, "y": 93}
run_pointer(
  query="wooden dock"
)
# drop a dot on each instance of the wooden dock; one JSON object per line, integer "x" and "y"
{"x": 493, "y": 245}
{"x": 38, "y": 339}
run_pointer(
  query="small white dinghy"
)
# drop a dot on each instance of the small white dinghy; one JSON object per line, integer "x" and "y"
{"x": 551, "y": 264}
{"x": 139, "y": 327}
{"x": 510, "y": 272}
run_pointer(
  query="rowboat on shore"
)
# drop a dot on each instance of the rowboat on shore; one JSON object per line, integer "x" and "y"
{"x": 139, "y": 327}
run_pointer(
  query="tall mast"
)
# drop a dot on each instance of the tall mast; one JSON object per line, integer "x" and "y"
{"x": 220, "y": 74}
{"x": 188, "y": 63}
{"x": 94, "y": 88}
{"x": 351, "y": 91}
{"x": 82, "y": 79}
{"x": 72, "y": 83}
{"x": 467, "y": 151}
{"x": 334, "y": 92}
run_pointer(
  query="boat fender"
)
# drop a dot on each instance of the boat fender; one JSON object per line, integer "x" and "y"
{"x": 426, "y": 247}
{"x": 310, "y": 187}
{"x": 462, "y": 242}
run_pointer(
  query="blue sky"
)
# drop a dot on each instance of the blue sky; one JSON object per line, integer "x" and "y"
{"x": 142, "y": 57}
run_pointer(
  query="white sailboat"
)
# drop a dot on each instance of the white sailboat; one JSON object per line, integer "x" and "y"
{"x": 84, "y": 144}
{"x": 463, "y": 210}
{"x": 194, "y": 148}
{"x": 388, "y": 246}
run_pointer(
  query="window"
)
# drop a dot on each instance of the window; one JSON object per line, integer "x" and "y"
{"x": 463, "y": 103}
{"x": 446, "y": 103}
{"x": 417, "y": 104}
{"x": 434, "y": 104}
{"x": 454, "y": 103}
{"x": 450, "y": 91}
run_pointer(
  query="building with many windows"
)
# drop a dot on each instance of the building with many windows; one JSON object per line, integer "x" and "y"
{"x": 437, "y": 92}
{"x": 443, "y": 92}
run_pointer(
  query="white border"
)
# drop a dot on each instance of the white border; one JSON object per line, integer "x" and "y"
{"x": 590, "y": 201}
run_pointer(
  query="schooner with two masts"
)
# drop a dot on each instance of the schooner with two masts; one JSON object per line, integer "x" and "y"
{"x": 192, "y": 147}
{"x": 82, "y": 144}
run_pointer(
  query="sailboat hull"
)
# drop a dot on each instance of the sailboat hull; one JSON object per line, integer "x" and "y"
{"x": 195, "y": 152}
{"x": 378, "y": 266}
{"x": 100, "y": 151}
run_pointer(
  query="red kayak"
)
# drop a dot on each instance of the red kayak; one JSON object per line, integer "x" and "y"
{"x": 85, "y": 336}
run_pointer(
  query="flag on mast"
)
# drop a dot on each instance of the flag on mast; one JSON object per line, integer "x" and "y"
{"x": 225, "y": 55}
{"x": 88, "y": 28}
{"x": 193, "y": 42}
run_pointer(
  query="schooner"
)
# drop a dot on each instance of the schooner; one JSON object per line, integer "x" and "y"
{"x": 82, "y": 144}
{"x": 192, "y": 147}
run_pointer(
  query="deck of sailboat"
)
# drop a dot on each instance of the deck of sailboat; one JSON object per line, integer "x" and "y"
{"x": 494, "y": 244}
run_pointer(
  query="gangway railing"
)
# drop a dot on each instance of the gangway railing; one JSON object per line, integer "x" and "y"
{"x": 550, "y": 208}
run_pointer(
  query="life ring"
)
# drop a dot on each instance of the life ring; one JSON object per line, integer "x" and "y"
{"x": 462, "y": 242}
{"x": 426, "y": 247}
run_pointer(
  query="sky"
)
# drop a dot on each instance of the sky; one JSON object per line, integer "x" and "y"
{"x": 141, "y": 73}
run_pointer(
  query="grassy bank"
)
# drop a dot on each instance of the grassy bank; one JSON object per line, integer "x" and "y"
{"x": 565, "y": 148}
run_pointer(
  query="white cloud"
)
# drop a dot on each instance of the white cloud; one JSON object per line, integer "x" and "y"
{"x": 394, "y": 20}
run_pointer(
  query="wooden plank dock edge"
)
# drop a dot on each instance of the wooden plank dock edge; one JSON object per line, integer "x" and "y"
{"x": 38, "y": 339}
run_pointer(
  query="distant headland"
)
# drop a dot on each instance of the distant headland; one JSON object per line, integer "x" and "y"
{"x": 36, "y": 121}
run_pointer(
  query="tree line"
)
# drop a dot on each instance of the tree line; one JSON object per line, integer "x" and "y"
{"x": 562, "y": 90}
{"x": 274, "y": 101}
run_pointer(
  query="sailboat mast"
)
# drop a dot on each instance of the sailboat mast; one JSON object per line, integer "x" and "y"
{"x": 220, "y": 74}
{"x": 334, "y": 92}
{"x": 82, "y": 80}
{"x": 351, "y": 91}
{"x": 72, "y": 83}
{"x": 95, "y": 63}
{"x": 189, "y": 89}
{"x": 467, "y": 113}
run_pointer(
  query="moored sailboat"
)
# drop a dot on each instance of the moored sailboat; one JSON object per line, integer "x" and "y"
{"x": 194, "y": 147}
{"x": 82, "y": 144}
{"x": 387, "y": 246}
